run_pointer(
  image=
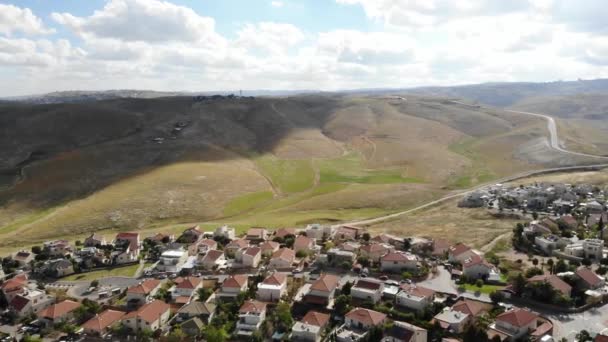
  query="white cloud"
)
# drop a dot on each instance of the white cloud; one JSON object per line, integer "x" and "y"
{"x": 14, "y": 19}
{"x": 277, "y": 3}
{"x": 275, "y": 38}
{"x": 142, "y": 20}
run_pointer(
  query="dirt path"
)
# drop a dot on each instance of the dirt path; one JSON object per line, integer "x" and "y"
{"x": 374, "y": 147}
{"x": 488, "y": 247}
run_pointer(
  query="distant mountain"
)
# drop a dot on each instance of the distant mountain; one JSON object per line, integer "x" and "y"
{"x": 508, "y": 94}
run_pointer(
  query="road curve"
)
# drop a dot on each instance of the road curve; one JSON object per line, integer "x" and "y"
{"x": 553, "y": 143}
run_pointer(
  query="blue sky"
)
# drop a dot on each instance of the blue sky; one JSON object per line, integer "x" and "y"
{"x": 295, "y": 44}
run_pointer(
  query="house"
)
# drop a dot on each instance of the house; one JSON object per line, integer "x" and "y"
{"x": 102, "y": 322}
{"x": 233, "y": 285}
{"x": 310, "y": 327}
{"x": 374, "y": 251}
{"x": 190, "y": 235}
{"x": 589, "y": 280}
{"x": 405, "y": 332}
{"x": 440, "y": 247}
{"x": 269, "y": 247}
{"x": 360, "y": 318}
{"x": 160, "y": 238}
{"x": 350, "y": 246}
{"x": 251, "y": 315}
{"x": 195, "y": 309}
{"x": 568, "y": 221}
{"x": 231, "y": 248}
{"x": 186, "y": 287}
{"x": 14, "y": 286}
{"x": 318, "y": 232}
{"x": 152, "y": 316}
{"x": 470, "y": 307}
{"x": 23, "y": 258}
{"x": 414, "y": 297}
{"x": 588, "y": 248}
{"x": 367, "y": 289}
{"x": 337, "y": 257}
{"x": 347, "y": 233}
{"x": 256, "y": 235}
{"x": 556, "y": 282}
{"x": 249, "y": 257}
{"x": 57, "y": 248}
{"x": 477, "y": 267}
{"x": 282, "y": 259}
{"x": 143, "y": 292}
{"x": 58, "y": 313}
{"x": 225, "y": 232}
{"x": 303, "y": 243}
{"x": 398, "y": 261}
{"x": 201, "y": 247}
{"x": 193, "y": 327}
{"x": 516, "y": 323}
{"x": 59, "y": 268}
{"x": 212, "y": 259}
{"x": 452, "y": 320}
{"x": 322, "y": 291}
{"x": 273, "y": 288}
{"x": 172, "y": 260}
{"x": 459, "y": 253}
{"x": 282, "y": 233}
{"x": 30, "y": 302}
{"x": 386, "y": 239}
{"x": 128, "y": 248}
{"x": 547, "y": 243}
{"x": 594, "y": 207}
{"x": 94, "y": 240}
{"x": 537, "y": 227}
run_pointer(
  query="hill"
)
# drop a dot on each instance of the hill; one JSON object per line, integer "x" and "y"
{"x": 146, "y": 164}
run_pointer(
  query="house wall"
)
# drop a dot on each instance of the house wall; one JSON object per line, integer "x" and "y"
{"x": 476, "y": 271}
{"x": 269, "y": 295}
{"x": 374, "y": 296}
{"x": 397, "y": 266}
{"x": 412, "y": 302}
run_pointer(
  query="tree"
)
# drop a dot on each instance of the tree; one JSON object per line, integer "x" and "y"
{"x": 346, "y": 288}
{"x": 561, "y": 266}
{"x": 586, "y": 262}
{"x": 550, "y": 264}
{"x": 364, "y": 261}
{"x": 583, "y": 336}
{"x": 3, "y": 301}
{"x": 213, "y": 334}
{"x": 301, "y": 254}
{"x": 519, "y": 284}
{"x": 94, "y": 283}
{"x": 479, "y": 283}
{"x": 36, "y": 249}
{"x": 284, "y": 320}
{"x": 497, "y": 297}
{"x": 366, "y": 237}
{"x": 531, "y": 272}
{"x": 342, "y": 304}
{"x": 535, "y": 262}
{"x": 203, "y": 294}
{"x": 177, "y": 334}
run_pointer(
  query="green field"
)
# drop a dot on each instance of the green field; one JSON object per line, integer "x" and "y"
{"x": 477, "y": 172}
{"x": 486, "y": 289}
{"x": 125, "y": 271}
{"x": 290, "y": 176}
{"x": 246, "y": 202}
{"x": 351, "y": 169}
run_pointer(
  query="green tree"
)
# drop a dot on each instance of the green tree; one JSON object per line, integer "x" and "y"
{"x": 550, "y": 263}
{"x": 214, "y": 334}
{"x": 203, "y": 294}
{"x": 342, "y": 304}
{"x": 479, "y": 283}
{"x": 94, "y": 283}
{"x": 346, "y": 288}
{"x": 497, "y": 297}
{"x": 284, "y": 319}
{"x": 366, "y": 237}
{"x": 583, "y": 336}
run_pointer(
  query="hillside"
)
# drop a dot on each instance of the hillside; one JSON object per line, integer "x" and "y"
{"x": 73, "y": 168}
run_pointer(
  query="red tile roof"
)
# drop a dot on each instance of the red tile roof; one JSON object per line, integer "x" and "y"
{"x": 555, "y": 281}
{"x": 475, "y": 260}
{"x": 458, "y": 249}
{"x": 373, "y": 248}
{"x": 189, "y": 283}
{"x": 59, "y": 310}
{"x": 367, "y": 284}
{"x": 253, "y": 251}
{"x": 398, "y": 256}
{"x": 270, "y": 246}
{"x": 588, "y": 276}
{"x": 276, "y": 278}
{"x": 235, "y": 281}
{"x": 256, "y": 232}
{"x": 102, "y": 321}
{"x": 366, "y": 316}
{"x": 19, "y": 302}
{"x": 15, "y": 283}
{"x": 284, "y": 254}
{"x": 150, "y": 312}
{"x": 418, "y": 291}
{"x": 213, "y": 255}
{"x": 303, "y": 242}
{"x": 252, "y": 306}
{"x": 600, "y": 338}
{"x": 469, "y": 307}
{"x": 326, "y": 283}
{"x": 517, "y": 317}
{"x": 144, "y": 287}
{"x": 283, "y": 232}
{"x": 208, "y": 242}
{"x": 238, "y": 243}
{"x": 316, "y": 318}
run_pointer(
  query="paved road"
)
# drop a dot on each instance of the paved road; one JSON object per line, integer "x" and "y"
{"x": 553, "y": 143}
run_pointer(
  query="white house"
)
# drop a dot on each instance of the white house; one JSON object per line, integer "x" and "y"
{"x": 186, "y": 287}
{"x": 143, "y": 292}
{"x": 172, "y": 261}
{"x": 249, "y": 257}
{"x": 405, "y": 332}
{"x": 282, "y": 259}
{"x": 367, "y": 289}
{"x": 212, "y": 259}
{"x": 364, "y": 319}
{"x": 151, "y": 316}
{"x": 30, "y": 302}
{"x": 251, "y": 315}
{"x": 398, "y": 261}
{"x": 233, "y": 285}
{"x": 415, "y": 297}
{"x": 375, "y": 251}
{"x": 225, "y": 232}
{"x": 516, "y": 323}
{"x": 459, "y": 253}
{"x": 317, "y": 231}
{"x": 476, "y": 267}
{"x": 453, "y": 320}
{"x": 273, "y": 288}
{"x": 322, "y": 291}
{"x": 310, "y": 328}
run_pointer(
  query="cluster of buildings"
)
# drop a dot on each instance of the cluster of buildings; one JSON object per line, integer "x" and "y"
{"x": 341, "y": 284}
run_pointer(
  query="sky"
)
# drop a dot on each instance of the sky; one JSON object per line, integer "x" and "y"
{"x": 207, "y": 45}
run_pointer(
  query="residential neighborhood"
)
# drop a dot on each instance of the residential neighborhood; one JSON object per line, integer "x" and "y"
{"x": 313, "y": 283}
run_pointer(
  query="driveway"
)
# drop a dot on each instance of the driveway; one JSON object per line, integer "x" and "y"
{"x": 442, "y": 282}
{"x": 568, "y": 325}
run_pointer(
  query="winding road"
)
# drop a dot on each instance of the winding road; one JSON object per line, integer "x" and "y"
{"x": 553, "y": 143}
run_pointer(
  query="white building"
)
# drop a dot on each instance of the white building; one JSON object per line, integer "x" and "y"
{"x": 225, "y": 232}
{"x": 249, "y": 257}
{"x": 233, "y": 285}
{"x": 212, "y": 259}
{"x": 251, "y": 315}
{"x": 398, "y": 262}
{"x": 30, "y": 302}
{"x": 317, "y": 231}
{"x": 405, "y": 332}
{"x": 516, "y": 323}
{"x": 588, "y": 248}
{"x": 151, "y": 316}
{"x": 453, "y": 320}
{"x": 368, "y": 289}
{"x": 310, "y": 328}
{"x": 172, "y": 261}
{"x": 415, "y": 297}
{"x": 273, "y": 288}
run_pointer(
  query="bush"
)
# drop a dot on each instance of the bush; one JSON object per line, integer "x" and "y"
{"x": 479, "y": 283}
{"x": 531, "y": 272}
